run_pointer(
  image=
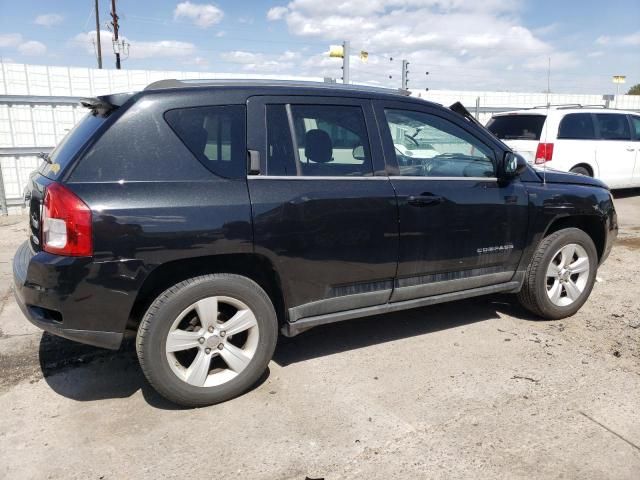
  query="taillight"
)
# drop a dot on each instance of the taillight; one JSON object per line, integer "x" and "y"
{"x": 544, "y": 152}
{"x": 66, "y": 223}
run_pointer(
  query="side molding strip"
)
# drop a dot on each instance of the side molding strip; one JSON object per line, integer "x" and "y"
{"x": 303, "y": 324}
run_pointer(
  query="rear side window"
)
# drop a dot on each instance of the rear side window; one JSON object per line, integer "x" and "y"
{"x": 635, "y": 122}
{"x": 77, "y": 137}
{"x": 215, "y": 135}
{"x": 577, "y": 126}
{"x": 327, "y": 140}
{"x": 517, "y": 127}
{"x": 613, "y": 126}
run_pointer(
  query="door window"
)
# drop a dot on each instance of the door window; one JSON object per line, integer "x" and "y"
{"x": 430, "y": 146}
{"x": 327, "y": 140}
{"x": 577, "y": 126}
{"x": 635, "y": 123}
{"x": 215, "y": 135}
{"x": 613, "y": 126}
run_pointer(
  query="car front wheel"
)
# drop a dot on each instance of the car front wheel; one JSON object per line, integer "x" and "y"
{"x": 207, "y": 339}
{"x": 561, "y": 274}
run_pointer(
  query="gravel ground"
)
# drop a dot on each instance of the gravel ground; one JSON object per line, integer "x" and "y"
{"x": 464, "y": 390}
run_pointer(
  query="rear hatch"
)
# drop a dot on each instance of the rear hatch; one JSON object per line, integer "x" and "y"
{"x": 520, "y": 131}
{"x": 59, "y": 161}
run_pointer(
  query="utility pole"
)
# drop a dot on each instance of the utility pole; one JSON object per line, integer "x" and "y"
{"x": 98, "y": 35}
{"x": 548, "y": 80}
{"x": 405, "y": 74}
{"x": 114, "y": 22}
{"x": 345, "y": 62}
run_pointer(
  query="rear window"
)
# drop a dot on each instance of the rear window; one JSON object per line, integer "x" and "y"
{"x": 73, "y": 141}
{"x": 577, "y": 126}
{"x": 613, "y": 126}
{"x": 215, "y": 135}
{"x": 517, "y": 127}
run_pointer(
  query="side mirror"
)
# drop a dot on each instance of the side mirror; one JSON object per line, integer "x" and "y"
{"x": 513, "y": 164}
{"x": 358, "y": 153}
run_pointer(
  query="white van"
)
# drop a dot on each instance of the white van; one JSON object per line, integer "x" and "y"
{"x": 599, "y": 142}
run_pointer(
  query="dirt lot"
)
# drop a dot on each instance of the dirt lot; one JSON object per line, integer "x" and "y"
{"x": 474, "y": 389}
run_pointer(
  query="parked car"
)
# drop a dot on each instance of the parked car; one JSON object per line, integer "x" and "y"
{"x": 597, "y": 142}
{"x": 207, "y": 217}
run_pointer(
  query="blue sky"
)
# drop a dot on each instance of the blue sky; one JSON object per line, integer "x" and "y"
{"x": 463, "y": 44}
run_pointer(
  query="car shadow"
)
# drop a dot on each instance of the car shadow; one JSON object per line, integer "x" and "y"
{"x": 379, "y": 329}
{"x": 85, "y": 373}
{"x": 626, "y": 193}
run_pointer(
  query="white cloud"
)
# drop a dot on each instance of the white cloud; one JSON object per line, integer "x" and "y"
{"x": 262, "y": 62}
{"x": 48, "y": 19}
{"x": 32, "y": 48}
{"x": 202, "y": 15}
{"x": 137, "y": 49}
{"x": 10, "y": 39}
{"x": 276, "y": 13}
{"x": 197, "y": 61}
{"x": 597, "y": 53}
{"x": 631, "y": 40}
{"x": 461, "y": 43}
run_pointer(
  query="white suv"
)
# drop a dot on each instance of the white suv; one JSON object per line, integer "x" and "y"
{"x": 598, "y": 142}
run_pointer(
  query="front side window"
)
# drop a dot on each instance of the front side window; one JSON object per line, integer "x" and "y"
{"x": 430, "y": 146}
{"x": 215, "y": 135}
{"x": 613, "y": 126}
{"x": 577, "y": 126}
{"x": 327, "y": 140}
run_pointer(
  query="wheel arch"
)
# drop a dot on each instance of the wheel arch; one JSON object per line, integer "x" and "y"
{"x": 586, "y": 166}
{"x": 592, "y": 225}
{"x": 253, "y": 266}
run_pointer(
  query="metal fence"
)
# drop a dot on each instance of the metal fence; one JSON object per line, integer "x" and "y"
{"x": 39, "y": 104}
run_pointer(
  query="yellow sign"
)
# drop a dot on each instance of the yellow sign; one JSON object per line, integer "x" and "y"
{"x": 619, "y": 79}
{"x": 336, "y": 51}
{"x": 364, "y": 56}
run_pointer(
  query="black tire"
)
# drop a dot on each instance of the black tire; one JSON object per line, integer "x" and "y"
{"x": 581, "y": 171}
{"x": 156, "y": 324}
{"x": 533, "y": 295}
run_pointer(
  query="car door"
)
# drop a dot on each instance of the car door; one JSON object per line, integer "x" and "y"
{"x": 575, "y": 143}
{"x": 635, "y": 130}
{"x": 460, "y": 228}
{"x": 616, "y": 152}
{"x": 324, "y": 211}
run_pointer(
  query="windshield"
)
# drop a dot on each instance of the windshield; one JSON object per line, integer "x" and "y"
{"x": 517, "y": 127}
{"x": 73, "y": 141}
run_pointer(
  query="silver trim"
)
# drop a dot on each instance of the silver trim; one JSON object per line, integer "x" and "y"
{"x": 477, "y": 179}
{"x": 284, "y": 177}
{"x": 376, "y": 177}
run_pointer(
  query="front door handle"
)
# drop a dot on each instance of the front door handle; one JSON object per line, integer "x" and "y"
{"x": 424, "y": 200}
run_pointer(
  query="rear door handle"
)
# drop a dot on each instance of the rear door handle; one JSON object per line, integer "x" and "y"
{"x": 424, "y": 200}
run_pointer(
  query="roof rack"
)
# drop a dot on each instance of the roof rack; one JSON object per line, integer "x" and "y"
{"x": 194, "y": 83}
{"x": 565, "y": 106}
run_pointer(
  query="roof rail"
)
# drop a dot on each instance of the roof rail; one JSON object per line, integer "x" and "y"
{"x": 571, "y": 105}
{"x": 194, "y": 83}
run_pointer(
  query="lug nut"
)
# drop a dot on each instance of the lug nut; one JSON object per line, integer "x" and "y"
{"x": 210, "y": 329}
{"x": 223, "y": 333}
{"x": 201, "y": 340}
{"x": 207, "y": 351}
{"x": 220, "y": 347}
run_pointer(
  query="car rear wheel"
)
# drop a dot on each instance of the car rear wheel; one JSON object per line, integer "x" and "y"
{"x": 207, "y": 339}
{"x": 561, "y": 274}
{"x": 581, "y": 171}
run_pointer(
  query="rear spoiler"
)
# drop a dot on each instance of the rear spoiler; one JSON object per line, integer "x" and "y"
{"x": 104, "y": 104}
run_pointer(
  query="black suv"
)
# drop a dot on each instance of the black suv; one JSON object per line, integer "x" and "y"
{"x": 206, "y": 217}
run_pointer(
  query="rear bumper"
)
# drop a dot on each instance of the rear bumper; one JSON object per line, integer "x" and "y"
{"x": 75, "y": 298}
